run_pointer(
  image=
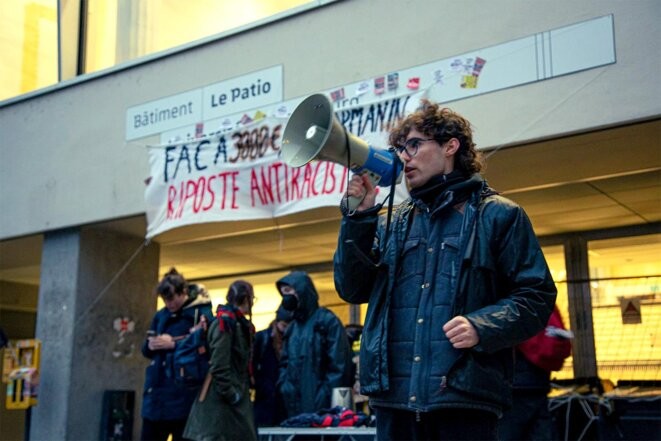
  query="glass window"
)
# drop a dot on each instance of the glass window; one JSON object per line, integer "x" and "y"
{"x": 626, "y": 302}
{"x": 555, "y": 258}
{"x": 28, "y": 43}
{"x": 121, "y": 31}
{"x": 115, "y": 32}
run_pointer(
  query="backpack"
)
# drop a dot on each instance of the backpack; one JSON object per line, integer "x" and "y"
{"x": 191, "y": 359}
{"x": 551, "y": 346}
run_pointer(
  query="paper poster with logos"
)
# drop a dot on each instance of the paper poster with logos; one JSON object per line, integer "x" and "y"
{"x": 526, "y": 60}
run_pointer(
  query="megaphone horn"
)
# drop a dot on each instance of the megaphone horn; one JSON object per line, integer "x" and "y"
{"x": 313, "y": 132}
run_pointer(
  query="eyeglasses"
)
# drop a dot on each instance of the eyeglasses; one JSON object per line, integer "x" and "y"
{"x": 411, "y": 146}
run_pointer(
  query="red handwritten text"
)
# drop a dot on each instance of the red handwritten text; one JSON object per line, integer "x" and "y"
{"x": 277, "y": 183}
{"x": 202, "y": 194}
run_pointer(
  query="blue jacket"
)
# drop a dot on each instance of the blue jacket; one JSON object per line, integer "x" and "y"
{"x": 315, "y": 356}
{"x": 163, "y": 399}
{"x": 500, "y": 283}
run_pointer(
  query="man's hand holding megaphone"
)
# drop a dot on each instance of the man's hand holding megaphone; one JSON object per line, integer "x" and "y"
{"x": 362, "y": 188}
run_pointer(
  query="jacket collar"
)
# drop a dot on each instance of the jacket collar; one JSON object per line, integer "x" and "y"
{"x": 446, "y": 192}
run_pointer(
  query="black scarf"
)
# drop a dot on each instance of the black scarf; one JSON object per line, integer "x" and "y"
{"x": 436, "y": 186}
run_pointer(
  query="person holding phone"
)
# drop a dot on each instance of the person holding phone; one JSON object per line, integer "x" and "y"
{"x": 166, "y": 403}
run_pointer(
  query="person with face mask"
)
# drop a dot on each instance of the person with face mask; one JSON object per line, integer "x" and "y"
{"x": 166, "y": 403}
{"x": 316, "y": 356}
{"x": 453, "y": 281}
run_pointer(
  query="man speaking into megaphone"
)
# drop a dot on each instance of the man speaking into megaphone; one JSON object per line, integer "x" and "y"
{"x": 457, "y": 281}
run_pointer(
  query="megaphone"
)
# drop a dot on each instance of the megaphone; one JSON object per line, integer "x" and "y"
{"x": 313, "y": 132}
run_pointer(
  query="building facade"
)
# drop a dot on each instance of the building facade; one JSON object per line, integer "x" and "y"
{"x": 565, "y": 105}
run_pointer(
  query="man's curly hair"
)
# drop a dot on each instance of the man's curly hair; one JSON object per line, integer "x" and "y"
{"x": 442, "y": 124}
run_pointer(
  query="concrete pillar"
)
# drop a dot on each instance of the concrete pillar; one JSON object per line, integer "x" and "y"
{"x": 86, "y": 283}
{"x": 580, "y": 309}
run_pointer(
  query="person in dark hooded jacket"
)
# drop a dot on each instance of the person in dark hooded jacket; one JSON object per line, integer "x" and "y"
{"x": 268, "y": 405}
{"x": 165, "y": 403}
{"x": 315, "y": 356}
{"x": 454, "y": 281}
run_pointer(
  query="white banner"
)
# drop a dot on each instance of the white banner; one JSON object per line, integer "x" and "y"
{"x": 238, "y": 174}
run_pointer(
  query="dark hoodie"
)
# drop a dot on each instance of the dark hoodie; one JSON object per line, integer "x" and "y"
{"x": 316, "y": 356}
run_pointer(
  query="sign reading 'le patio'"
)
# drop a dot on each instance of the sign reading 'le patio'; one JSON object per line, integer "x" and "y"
{"x": 249, "y": 91}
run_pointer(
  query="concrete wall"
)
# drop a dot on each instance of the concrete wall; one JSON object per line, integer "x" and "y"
{"x": 65, "y": 160}
{"x": 82, "y": 353}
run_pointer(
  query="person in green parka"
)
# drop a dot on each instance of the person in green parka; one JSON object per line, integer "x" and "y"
{"x": 222, "y": 410}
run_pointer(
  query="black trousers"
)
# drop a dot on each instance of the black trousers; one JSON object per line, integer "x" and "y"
{"x": 160, "y": 430}
{"x": 442, "y": 424}
{"x": 528, "y": 419}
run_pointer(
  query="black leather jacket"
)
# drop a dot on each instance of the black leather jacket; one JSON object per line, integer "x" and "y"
{"x": 502, "y": 286}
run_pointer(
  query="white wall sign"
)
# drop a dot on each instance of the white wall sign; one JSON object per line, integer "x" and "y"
{"x": 538, "y": 57}
{"x": 164, "y": 114}
{"x": 248, "y": 91}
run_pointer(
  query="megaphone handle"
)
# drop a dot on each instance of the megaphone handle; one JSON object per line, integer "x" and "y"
{"x": 354, "y": 201}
